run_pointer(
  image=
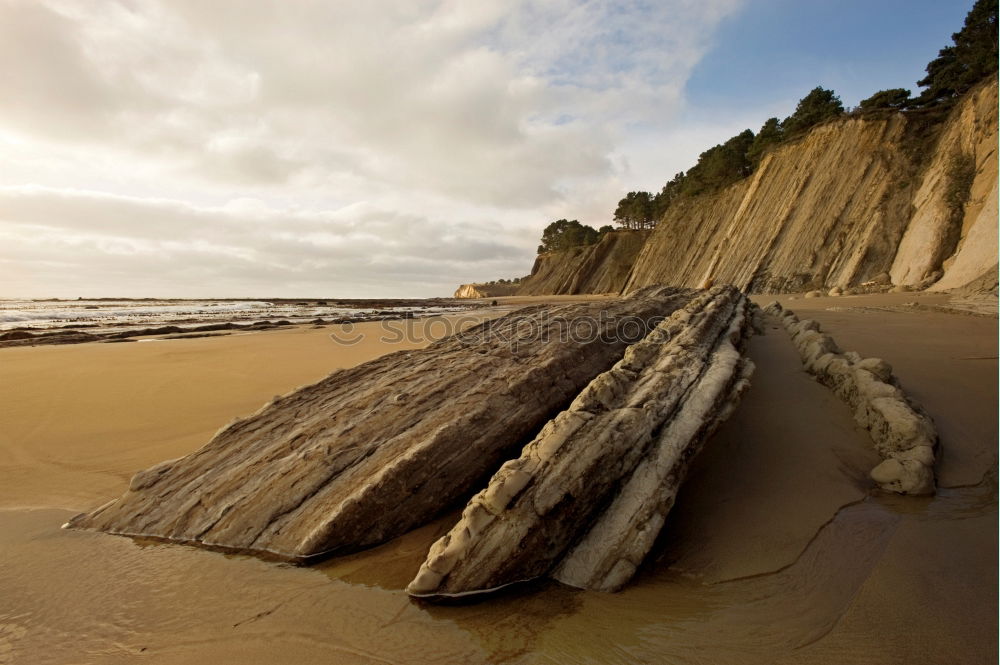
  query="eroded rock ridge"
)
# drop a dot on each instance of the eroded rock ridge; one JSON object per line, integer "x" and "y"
{"x": 373, "y": 451}
{"x": 586, "y": 499}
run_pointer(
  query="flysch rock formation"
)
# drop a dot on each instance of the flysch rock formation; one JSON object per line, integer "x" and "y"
{"x": 852, "y": 201}
{"x": 466, "y": 291}
{"x": 587, "y": 497}
{"x": 868, "y": 201}
{"x": 958, "y": 245}
{"x": 373, "y": 451}
{"x": 607, "y": 557}
{"x": 903, "y": 434}
{"x": 600, "y": 268}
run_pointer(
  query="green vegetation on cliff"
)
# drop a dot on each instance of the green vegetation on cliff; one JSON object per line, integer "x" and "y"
{"x": 894, "y": 98}
{"x": 570, "y": 251}
{"x": 972, "y": 58}
{"x": 818, "y": 106}
{"x": 563, "y": 234}
{"x": 637, "y": 211}
{"x": 724, "y": 164}
{"x": 771, "y": 133}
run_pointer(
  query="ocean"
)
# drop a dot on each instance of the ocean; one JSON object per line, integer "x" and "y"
{"x": 101, "y": 315}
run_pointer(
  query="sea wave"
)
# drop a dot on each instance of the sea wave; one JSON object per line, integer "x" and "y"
{"x": 40, "y": 313}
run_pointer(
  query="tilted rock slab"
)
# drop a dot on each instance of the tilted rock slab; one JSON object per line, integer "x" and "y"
{"x": 373, "y": 451}
{"x": 902, "y": 432}
{"x": 587, "y": 497}
{"x": 600, "y": 268}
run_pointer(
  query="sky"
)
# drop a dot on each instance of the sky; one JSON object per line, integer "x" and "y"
{"x": 391, "y": 148}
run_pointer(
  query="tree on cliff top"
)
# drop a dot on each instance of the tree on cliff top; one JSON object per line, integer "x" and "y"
{"x": 894, "y": 98}
{"x": 770, "y": 134}
{"x": 720, "y": 165}
{"x": 972, "y": 58}
{"x": 563, "y": 234}
{"x": 636, "y": 211}
{"x": 670, "y": 192}
{"x": 819, "y": 105}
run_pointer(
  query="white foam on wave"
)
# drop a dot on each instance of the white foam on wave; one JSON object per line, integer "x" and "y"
{"x": 47, "y": 314}
{"x": 83, "y": 311}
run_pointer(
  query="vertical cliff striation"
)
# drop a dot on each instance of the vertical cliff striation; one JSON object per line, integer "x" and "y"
{"x": 485, "y": 290}
{"x": 850, "y": 202}
{"x": 600, "y": 268}
{"x": 889, "y": 198}
{"x": 964, "y": 169}
{"x": 827, "y": 210}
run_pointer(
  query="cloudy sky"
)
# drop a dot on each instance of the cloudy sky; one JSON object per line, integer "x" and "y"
{"x": 384, "y": 148}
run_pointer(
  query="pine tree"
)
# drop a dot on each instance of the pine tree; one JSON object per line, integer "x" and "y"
{"x": 819, "y": 105}
{"x": 972, "y": 58}
{"x": 894, "y": 98}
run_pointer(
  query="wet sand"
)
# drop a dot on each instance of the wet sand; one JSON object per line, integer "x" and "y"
{"x": 778, "y": 550}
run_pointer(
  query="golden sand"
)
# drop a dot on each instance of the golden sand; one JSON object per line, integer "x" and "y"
{"x": 777, "y": 551}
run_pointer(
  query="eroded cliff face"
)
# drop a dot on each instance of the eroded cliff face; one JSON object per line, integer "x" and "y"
{"x": 485, "y": 290}
{"x": 849, "y": 203}
{"x": 600, "y": 268}
{"x": 885, "y": 199}
{"x": 968, "y": 251}
{"x": 827, "y": 210}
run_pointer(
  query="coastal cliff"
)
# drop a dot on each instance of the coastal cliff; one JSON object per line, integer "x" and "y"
{"x": 869, "y": 201}
{"x": 854, "y": 201}
{"x": 485, "y": 290}
{"x": 598, "y": 268}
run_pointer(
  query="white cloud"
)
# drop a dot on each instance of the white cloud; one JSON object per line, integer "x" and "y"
{"x": 318, "y": 144}
{"x": 126, "y": 244}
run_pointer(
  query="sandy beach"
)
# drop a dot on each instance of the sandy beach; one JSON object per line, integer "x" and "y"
{"x": 778, "y": 549}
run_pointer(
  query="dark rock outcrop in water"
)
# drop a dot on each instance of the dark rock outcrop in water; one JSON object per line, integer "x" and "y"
{"x": 587, "y": 497}
{"x": 373, "y": 451}
{"x": 25, "y": 338}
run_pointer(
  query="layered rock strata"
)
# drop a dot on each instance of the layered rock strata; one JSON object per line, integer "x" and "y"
{"x": 467, "y": 291}
{"x": 870, "y": 198}
{"x": 903, "y": 434}
{"x": 587, "y": 497}
{"x": 600, "y": 268}
{"x": 866, "y": 202}
{"x": 373, "y": 451}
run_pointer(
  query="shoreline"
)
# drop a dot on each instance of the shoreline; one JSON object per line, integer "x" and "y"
{"x": 70, "y": 333}
{"x": 777, "y": 551}
{"x": 72, "y": 322}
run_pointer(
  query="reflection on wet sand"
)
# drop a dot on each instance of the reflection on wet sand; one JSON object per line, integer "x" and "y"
{"x": 103, "y": 599}
{"x": 778, "y": 551}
